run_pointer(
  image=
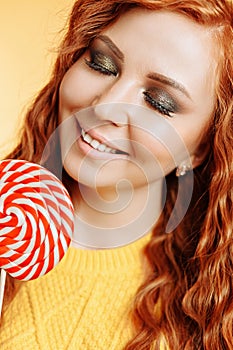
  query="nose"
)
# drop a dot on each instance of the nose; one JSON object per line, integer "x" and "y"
{"x": 114, "y": 103}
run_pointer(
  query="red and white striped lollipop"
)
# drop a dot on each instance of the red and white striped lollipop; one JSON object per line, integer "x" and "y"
{"x": 36, "y": 219}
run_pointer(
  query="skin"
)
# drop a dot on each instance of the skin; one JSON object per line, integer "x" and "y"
{"x": 166, "y": 76}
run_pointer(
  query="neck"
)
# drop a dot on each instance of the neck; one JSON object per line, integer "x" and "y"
{"x": 110, "y": 218}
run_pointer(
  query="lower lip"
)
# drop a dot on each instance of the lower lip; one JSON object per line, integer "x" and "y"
{"x": 89, "y": 151}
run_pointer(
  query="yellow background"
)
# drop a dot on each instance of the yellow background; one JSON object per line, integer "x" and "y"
{"x": 29, "y": 34}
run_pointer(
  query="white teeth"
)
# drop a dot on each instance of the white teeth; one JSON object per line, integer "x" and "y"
{"x": 96, "y": 144}
{"x": 102, "y": 147}
{"x": 87, "y": 138}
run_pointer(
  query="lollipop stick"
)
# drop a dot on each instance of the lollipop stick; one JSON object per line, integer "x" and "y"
{"x": 2, "y": 287}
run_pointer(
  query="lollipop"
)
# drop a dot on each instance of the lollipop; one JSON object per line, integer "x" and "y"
{"x": 36, "y": 219}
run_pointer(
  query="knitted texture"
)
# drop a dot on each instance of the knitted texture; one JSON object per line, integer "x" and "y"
{"x": 83, "y": 303}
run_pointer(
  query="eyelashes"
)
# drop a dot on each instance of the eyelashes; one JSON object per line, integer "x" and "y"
{"x": 159, "y": 100}
{"x": 102, "y": 64}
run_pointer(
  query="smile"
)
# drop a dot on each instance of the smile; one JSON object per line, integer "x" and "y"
{"x": 98, "y": 145}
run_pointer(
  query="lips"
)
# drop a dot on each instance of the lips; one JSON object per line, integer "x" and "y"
{"x": 98, "y": 145}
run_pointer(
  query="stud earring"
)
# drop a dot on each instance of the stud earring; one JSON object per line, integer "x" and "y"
{"x": 182, "y": 169}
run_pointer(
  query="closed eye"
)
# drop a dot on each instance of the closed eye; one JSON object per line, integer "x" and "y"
{"x": 102, "y": 63}
{"x": 162, "y": 104}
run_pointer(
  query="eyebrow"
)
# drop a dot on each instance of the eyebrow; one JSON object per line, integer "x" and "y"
{"x": 168, "y": 81}
{"x": 111, "y": 46}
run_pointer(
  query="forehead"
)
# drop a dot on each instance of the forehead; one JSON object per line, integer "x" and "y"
{"x": 153, "y": 30}
{"x": 168, "y": 43}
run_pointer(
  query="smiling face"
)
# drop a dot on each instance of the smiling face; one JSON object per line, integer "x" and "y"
{"x": 144, "y": 86}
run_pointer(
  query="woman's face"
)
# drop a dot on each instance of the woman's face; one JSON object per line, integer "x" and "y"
{"x": 144, "y": 86}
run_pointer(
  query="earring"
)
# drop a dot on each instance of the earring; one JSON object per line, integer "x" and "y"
{"x": 182, "y": 169}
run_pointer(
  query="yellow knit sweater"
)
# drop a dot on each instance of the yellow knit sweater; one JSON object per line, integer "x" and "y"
{"x": 83, "y": 303}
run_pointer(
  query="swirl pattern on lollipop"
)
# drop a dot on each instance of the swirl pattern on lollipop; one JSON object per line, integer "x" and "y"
{"x": 36, "y": 219}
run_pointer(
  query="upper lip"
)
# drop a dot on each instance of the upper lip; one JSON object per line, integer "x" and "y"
{"x": 102, "y": 139}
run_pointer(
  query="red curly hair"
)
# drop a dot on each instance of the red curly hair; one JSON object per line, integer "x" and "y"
{"x": 192, "y": 267}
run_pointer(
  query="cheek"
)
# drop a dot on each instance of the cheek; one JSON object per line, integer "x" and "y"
{"x": 76, "y": 91}
{"x": 167, "y": 147}
{"x": 194, "y": 133}
{"x": 153, "y": 153}
{"x": 72, "y": 90}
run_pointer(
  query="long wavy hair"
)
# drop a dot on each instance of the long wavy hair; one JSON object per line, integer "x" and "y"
{"x": 186, "y": 301}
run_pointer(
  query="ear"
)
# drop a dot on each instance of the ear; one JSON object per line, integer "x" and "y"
{"x": 196, "y": 161}
{"x": 199, "y": 156}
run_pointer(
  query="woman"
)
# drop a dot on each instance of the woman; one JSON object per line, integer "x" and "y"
{"x": 172, "y": 60}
